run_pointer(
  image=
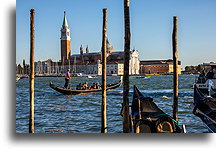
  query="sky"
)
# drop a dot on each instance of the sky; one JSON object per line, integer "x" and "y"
{"x": 151, "y": 28}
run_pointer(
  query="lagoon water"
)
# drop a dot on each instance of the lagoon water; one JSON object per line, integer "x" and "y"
{"x": 57, "y": 113}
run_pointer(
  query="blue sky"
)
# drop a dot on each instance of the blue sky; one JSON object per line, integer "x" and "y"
{"x": 151, "y": 27}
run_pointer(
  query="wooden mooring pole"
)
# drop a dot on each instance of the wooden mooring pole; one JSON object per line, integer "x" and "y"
{"x": 125, "y": 113}
{"x": 175, "y": 67}
{"x": 31, "y": 88}
{"x": 104, "y": 56}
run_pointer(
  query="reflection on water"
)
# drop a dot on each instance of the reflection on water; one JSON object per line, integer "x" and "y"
{"x": 57, "y": 113}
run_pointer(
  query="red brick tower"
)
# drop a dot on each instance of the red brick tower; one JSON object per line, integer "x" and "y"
{"x": 65, "y": 40}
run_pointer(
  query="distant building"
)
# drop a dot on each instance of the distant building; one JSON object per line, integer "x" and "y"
{"x": 39, "y": 67}
{"x": 115, "y": 68}
{"x": 158, "y": 67}
{"x": 20, "y": 69}
{"x": 113, "y": 58}
{"x": 134, "y": 63}
{"x": 90, "y": 68}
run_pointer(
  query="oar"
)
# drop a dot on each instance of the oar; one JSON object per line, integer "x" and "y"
{"x": 70, "y": 82}
{"x": 200, "y": 112}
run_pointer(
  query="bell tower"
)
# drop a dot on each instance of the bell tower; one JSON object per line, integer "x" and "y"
{"x": 65, "y": 40}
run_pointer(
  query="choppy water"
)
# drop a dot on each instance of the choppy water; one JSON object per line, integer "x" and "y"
{"x": 57, "y": 113}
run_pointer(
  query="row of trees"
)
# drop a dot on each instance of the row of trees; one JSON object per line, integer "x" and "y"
{"x": 194, "y": 69}
{"x": 199, "y": 68}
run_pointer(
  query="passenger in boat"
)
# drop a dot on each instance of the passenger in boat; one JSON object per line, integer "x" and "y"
{"x": 210, "y": 74}
{"x": 214, "y": 77}
{"x": 67, "y": 78}
{"x": 79, "y": 87}
{"x": 202, "y": 78}
{"x": 98, "y": 86}
{"x": 93, "y": 86}
{"x": 85, "y": 85}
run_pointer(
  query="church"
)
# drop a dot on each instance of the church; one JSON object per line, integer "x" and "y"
{"x": 87, "y": 62}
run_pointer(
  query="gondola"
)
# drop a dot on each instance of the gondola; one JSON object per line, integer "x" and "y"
{"x": 206, "y": 79}
{"x": 147, "y": 117}
{"x": 77, "y": 92}
{"x": 212, "y": 93}
{"x": 205, "y": 109}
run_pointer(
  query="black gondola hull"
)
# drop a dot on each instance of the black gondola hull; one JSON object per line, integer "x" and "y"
{"x": 77, "y": 92}
{"x": 205, "y": 109}
{"x": 147, "y": 117}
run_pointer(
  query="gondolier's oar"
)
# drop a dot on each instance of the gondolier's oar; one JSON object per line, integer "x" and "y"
{"x": 196, "y": 110}
{"x": 70, "y": 83}
{"x": 200, "y": 112}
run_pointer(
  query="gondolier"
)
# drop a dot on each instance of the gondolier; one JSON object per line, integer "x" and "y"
{"x": 67, "y": 78}
{"x": 202, "y": 82}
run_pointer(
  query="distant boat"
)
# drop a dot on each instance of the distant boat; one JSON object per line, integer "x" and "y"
{"x": 76, "y": 74}
{"x": 165, "y": 97}
{"x": 17, "y": 79}
{"x": 144, "y": 77}
{"x": 24, "y": 76}
{"x": 91, "y": 77}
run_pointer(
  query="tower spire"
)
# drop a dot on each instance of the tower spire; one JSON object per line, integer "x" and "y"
{"x": 65, "y": 23}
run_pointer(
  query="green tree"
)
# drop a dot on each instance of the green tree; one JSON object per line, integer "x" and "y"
{"x": 199, "y": 68}
{"x": 187, "y": 68}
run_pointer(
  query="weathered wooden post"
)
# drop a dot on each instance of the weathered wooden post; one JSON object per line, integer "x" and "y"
{"x": 31, "y": 88}
{"x": 175, "y": 67}
{"x": 104, "y": 56}
{"x": 126, "y": 120}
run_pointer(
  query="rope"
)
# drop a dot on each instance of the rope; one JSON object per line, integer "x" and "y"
{"x": 171, "y": 118}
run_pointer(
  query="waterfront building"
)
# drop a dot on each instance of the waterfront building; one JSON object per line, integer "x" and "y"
{"x": 134, "y": 63}
{"x": 96, "y": 68}
{"x": 115, "y": 68}
{"x": 47, "y": 67}
{"x": 38, "y": 67}
{"x": 113, "y": 58}
{"x": 20, "y": 69}
{"x": 88, "y": 68}
{"x": 24, "y": 67}
{"x": 158, "y": 67}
